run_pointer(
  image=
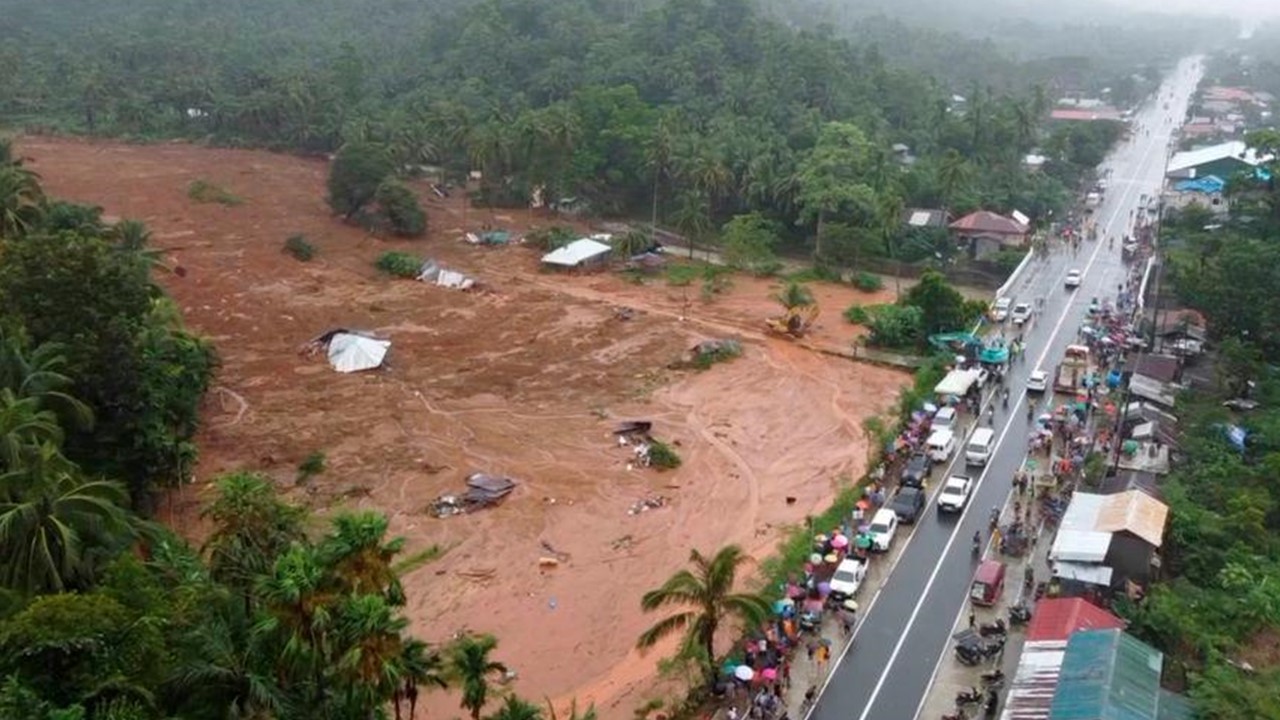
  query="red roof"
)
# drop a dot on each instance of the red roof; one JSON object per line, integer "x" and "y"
{"x": 1057, "y": 618}
{"x": 985, "y": 221}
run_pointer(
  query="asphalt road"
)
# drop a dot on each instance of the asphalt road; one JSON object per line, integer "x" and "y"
{"x": 885, "y": 672}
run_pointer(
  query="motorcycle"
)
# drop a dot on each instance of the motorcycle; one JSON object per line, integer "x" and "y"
{"x": 972, "y": 696}
{"x": 992, "y": 677}
{"x": 996, "y": 628}
{"x": 973, "y": 653}
{"x": 1019, "y": 614}
{"x": 810, "y": 621}
{"x": 959, "y": 714}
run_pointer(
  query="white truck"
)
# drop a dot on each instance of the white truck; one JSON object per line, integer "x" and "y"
{"x": 848, "y": 578}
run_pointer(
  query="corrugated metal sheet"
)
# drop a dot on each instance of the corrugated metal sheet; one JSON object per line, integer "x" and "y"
{"x": 1082, "y": 572}
{"x": 1137, "y": 512}
{"x": 1031, "y": 693}
{"x": 1056, "y": 618}
{"x": 1107, "y": 675}
{"x": 1174, "y": 707}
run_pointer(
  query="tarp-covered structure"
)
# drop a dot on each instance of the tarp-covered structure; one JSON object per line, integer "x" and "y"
{"x": 432, "y": 272}
{"x": 956, "y": 383}
{"x": 352, "y": 352}
{"x": 579, "y": 253}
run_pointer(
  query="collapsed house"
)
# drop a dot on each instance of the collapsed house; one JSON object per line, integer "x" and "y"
{"x": 434, "y": 273}
{"x": 483, "y": 490}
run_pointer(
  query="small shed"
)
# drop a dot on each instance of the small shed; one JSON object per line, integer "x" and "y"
{"x": 1110, "y": 674}
{"x": 956, "y": 384}
{"x": 579, "y": 254}
{"x": 1105, "y": 539}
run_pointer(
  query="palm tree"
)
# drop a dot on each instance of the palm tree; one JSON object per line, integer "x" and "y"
{"x": 21, "y": 200}
{"x": 300, "y": 613}
{"x": 515, "y": 708}
{"x": 252, "y": 527}
{"x": 56, "y": 526}
{"x": 226, "y": 670}
{"x": 657, "y": 157}
{"x": 792, "y": 296}
{"x": 889, "y": 211}
{"x": 707, "y": 595}
{"x": 470, "y": 668}
{"x": 23, "y": 426}
{"x": 420, "y": 666}
{"x": 691, "y": 217}
{"x": 367, "y": 651}
{"x": 360, "y": 561}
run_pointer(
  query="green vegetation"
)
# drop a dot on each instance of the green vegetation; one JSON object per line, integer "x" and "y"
{"x": 929, "y": 307}
{"x": 709, "y": 353}
{"x": 399, "y": 211}
{"x": 300, "y": 248}
{"x": 312, "y": 465}
{"x": 868, "y": 282}
{"x": 662, "y": 456}
{"x": 413, "y": 561}
{"x": 399, "y": 264}
{"x": 203, "y": 191}
{"x": 550, "y": 238}
{"x": 355, "y": 175}
{"x": 746, "y": 243}
{"x": 1216, "y": 614}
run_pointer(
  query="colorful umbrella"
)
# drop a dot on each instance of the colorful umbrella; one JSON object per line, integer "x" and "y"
{"x": 815, "y": 558}
{"x": 839, "y": 542}
{"x": 831, "y": 558}
{"x": 744, "y": 673}
{"x": 769, "y": 674}
{"x": 824, "y": 589}
{"x": 863, "y": 541}
{"x": 820, "y": 538}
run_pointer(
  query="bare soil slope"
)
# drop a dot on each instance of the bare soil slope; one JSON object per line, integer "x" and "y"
{"x": 525, "y": 379}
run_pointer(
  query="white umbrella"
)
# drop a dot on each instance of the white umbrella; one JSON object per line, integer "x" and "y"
{"x": 744, "y": 673}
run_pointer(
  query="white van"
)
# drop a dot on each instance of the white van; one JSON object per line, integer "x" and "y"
{"x": 980, "y": 446}
{"x": 940, "y": 445}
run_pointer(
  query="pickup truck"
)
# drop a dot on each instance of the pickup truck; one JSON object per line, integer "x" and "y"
{"x": 848, "y": 578}
{"x": 1076, "y": 365}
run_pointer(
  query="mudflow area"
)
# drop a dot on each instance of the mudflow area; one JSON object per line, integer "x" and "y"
{"x": 525, "y": 378}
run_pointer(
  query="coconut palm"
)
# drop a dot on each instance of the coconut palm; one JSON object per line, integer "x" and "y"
{"x": 794, "y": 295}
{"x": 300, "y": 617}
{"x": 23, "y": 426}
{"x": 226, "y": 670}
{"x": 21, "y": 200}
{"x": 470, "y": 668}
{"x": 515, "y": 708}
{"x": 55, "y": 525}
{"x": 367, "y": 649}
{"x": 706, "y": 594}
{"x": 37, "y": 375}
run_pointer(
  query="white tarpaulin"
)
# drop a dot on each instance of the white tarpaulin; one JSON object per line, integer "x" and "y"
{"x": 956, "y": 383}
{"x": 432, "y": 272}
{"x": 576, "y": 253}
{"x": 353, "y": 353}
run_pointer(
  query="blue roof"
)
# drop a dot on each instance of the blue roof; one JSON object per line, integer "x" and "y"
{"x": 1108, "y": 675}
{"x": 1206, "y": 184}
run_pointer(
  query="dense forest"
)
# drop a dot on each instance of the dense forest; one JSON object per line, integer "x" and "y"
{"x": 107, "y": 616}
{"x": 1217, "y": 615}
{"x": 693, "y": 111}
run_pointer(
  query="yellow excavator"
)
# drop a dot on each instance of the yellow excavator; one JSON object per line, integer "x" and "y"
{"x": 795, "y": 322}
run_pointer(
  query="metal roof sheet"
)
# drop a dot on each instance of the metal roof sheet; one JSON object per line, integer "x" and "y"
{"x": 1031, "y": 693}
{"x": 1057, "y": 618}
{"x": 1108, "y": 674}
{"x": 576, "y": 252}
{"x": 1136, "y": 512}
{"x": 1083, "y": 572}
{"x": 1086, "y": 546}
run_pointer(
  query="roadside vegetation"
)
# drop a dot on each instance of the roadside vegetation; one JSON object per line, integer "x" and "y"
{"x": 1217, "y": 613}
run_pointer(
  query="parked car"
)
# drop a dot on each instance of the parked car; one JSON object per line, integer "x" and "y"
{"x": 917, "y": 470}
{"x": 1073, "y": 278}
{"x": 848, "y": 578}
{"x": 1038, "y": 381}
{"x": 907, "y": 504}
{"x": 940, "y": 445}
{"x": 945, "y": 418}
{"x": 884, "y": 525}
{"x": 1000, "y": 310}
{"x": 1021, "y": 314}
{"x": 955, "y": 494}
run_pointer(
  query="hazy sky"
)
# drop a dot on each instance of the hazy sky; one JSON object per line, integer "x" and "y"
{"x": 1239, "y": 8}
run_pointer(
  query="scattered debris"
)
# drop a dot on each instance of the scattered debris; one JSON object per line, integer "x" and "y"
{"x": 709, "y": 352}
{"x": 482, "y": 491}
{"x": 560, "y": 556}
{"x": 624, "y": 313}
{"x": 623, "y": 543}
{"x": 432, "y": 272}
{"x": 634, "y": 427}
{"x": 650, "y": 503}
{"x": 490, "y": 237}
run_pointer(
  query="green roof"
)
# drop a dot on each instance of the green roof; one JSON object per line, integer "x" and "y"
{"x": 1108, "y": 675}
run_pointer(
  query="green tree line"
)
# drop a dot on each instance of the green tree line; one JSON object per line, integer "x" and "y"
{"x": 691, "y": 111}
